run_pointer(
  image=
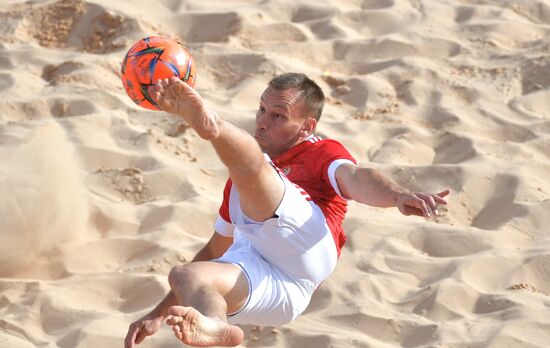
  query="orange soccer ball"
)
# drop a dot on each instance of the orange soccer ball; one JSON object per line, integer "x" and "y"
{"x": 151, "y": 59}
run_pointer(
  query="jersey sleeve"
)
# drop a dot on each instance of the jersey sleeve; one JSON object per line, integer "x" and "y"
{"x": 332, "y": 173}
{"x": 335, "y": 155}
{"x": 223, "y": 223}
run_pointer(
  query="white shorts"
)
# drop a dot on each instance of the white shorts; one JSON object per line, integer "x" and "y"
{"x": 285, "y": 258}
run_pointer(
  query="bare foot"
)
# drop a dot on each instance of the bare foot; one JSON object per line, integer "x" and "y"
{"x": 177, "y": 97}
{"x": 197, "y": 330}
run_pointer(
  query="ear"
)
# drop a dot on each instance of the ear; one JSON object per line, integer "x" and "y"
{"x": 308, "y": 127}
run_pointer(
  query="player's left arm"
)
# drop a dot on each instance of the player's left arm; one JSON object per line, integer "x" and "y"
{"x": 369, "y": 186}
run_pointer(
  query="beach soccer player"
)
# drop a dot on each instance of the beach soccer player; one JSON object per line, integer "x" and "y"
{"x": 279, "y": 231}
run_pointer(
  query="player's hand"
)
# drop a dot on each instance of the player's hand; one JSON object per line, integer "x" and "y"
{"x": 420, "y": 204}
{"x": 140, "y": 329}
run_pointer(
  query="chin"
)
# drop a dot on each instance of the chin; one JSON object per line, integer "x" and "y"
{"x": 264, "y": 150}
{"x": 260, "y": 142}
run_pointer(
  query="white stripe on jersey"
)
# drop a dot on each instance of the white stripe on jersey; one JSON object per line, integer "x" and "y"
{"x": 303, "y": 192}
{"x": 314, "y": 139}
{"x": 300, "y": 189}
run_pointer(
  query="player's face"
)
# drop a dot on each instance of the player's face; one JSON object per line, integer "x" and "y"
{"x": 280, "y": 121}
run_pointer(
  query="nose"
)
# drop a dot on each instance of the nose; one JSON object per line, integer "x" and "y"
{"x": 261, "y": 121}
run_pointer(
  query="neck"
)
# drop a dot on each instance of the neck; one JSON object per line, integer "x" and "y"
{"x": 279, "y": 153}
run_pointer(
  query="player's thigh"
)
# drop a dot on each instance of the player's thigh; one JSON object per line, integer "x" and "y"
{"x": 261, "y": 194}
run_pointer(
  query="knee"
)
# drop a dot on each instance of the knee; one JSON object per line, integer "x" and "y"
{"x": 185, "y": 276}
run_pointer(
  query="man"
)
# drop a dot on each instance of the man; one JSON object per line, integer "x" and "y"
{"x": 279, "y": 232}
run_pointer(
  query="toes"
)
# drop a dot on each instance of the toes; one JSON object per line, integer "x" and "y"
{"x": 177, "y": 332}
{"x": 176, "y": 329}
{"x": 178, "y": 311}
{"x": 174, "y": 320}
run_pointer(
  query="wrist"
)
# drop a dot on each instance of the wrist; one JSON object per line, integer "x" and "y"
{"x": 397, "y": 194}
{"x": 155, "y": 315}
{"x": 161, "y": 310}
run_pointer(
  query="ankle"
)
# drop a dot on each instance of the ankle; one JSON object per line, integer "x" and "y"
{"x": 210, "y": 125}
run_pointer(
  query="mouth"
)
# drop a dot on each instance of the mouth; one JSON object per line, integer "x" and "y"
{"x": 258, "y": 136}
{"x": 260, "y": 140}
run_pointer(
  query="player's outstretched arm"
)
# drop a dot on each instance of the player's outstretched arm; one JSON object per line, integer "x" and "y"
{"x": 369, "y": 186}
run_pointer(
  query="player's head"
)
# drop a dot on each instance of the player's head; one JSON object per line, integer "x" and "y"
{"x": 313, "y": 95}
{"x": 288, "y": 112}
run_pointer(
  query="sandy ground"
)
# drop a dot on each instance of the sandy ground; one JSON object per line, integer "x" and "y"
{"x": 99, "y": 198}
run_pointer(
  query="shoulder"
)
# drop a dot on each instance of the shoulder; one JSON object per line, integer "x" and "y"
{"x": 318, "y": 142}
{"x": 329, "y": 149}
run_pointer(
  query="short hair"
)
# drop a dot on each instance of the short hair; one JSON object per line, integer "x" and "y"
{"x": 313, "y": 94}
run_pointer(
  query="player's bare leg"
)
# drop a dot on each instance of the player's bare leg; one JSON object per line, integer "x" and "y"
{"x": 197, "y": 330}
{"x": 259, "y": 186}
{"x": 205, "y": 293}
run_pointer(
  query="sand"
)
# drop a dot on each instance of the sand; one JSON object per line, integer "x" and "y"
{"x": 100, "y": 198}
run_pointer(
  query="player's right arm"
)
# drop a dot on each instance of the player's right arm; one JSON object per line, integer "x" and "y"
{"x": 151, "y": 323}
{"x": 371, "y": 187}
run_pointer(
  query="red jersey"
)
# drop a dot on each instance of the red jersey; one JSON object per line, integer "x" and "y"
{"x": 311, "y": 166}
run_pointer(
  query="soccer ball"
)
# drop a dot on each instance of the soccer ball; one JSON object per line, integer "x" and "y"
{"x": 151, "y": 59}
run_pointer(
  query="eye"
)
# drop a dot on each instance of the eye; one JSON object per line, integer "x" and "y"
{"x": 261, "y": 109}
{"x": 277, "y": 116}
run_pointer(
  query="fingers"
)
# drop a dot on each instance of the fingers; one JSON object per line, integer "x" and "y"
{"x": 141, "y": 335}
{"x": 439, "y": 197}
{"x": 429, "y": 201}
{"x": 426, "y": 208}
{"x": 444, "y": 193}
{"x": 139, "y": 330}
{"x": 413, "y": 205}
{"x": 434, "y": 200}
{"x": 407, "y": 210}
{"x": 131, "y": 336}
{"x": 423, "y": 204}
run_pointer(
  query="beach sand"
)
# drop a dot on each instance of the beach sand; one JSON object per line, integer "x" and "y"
{"x": 100, "y": 198}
